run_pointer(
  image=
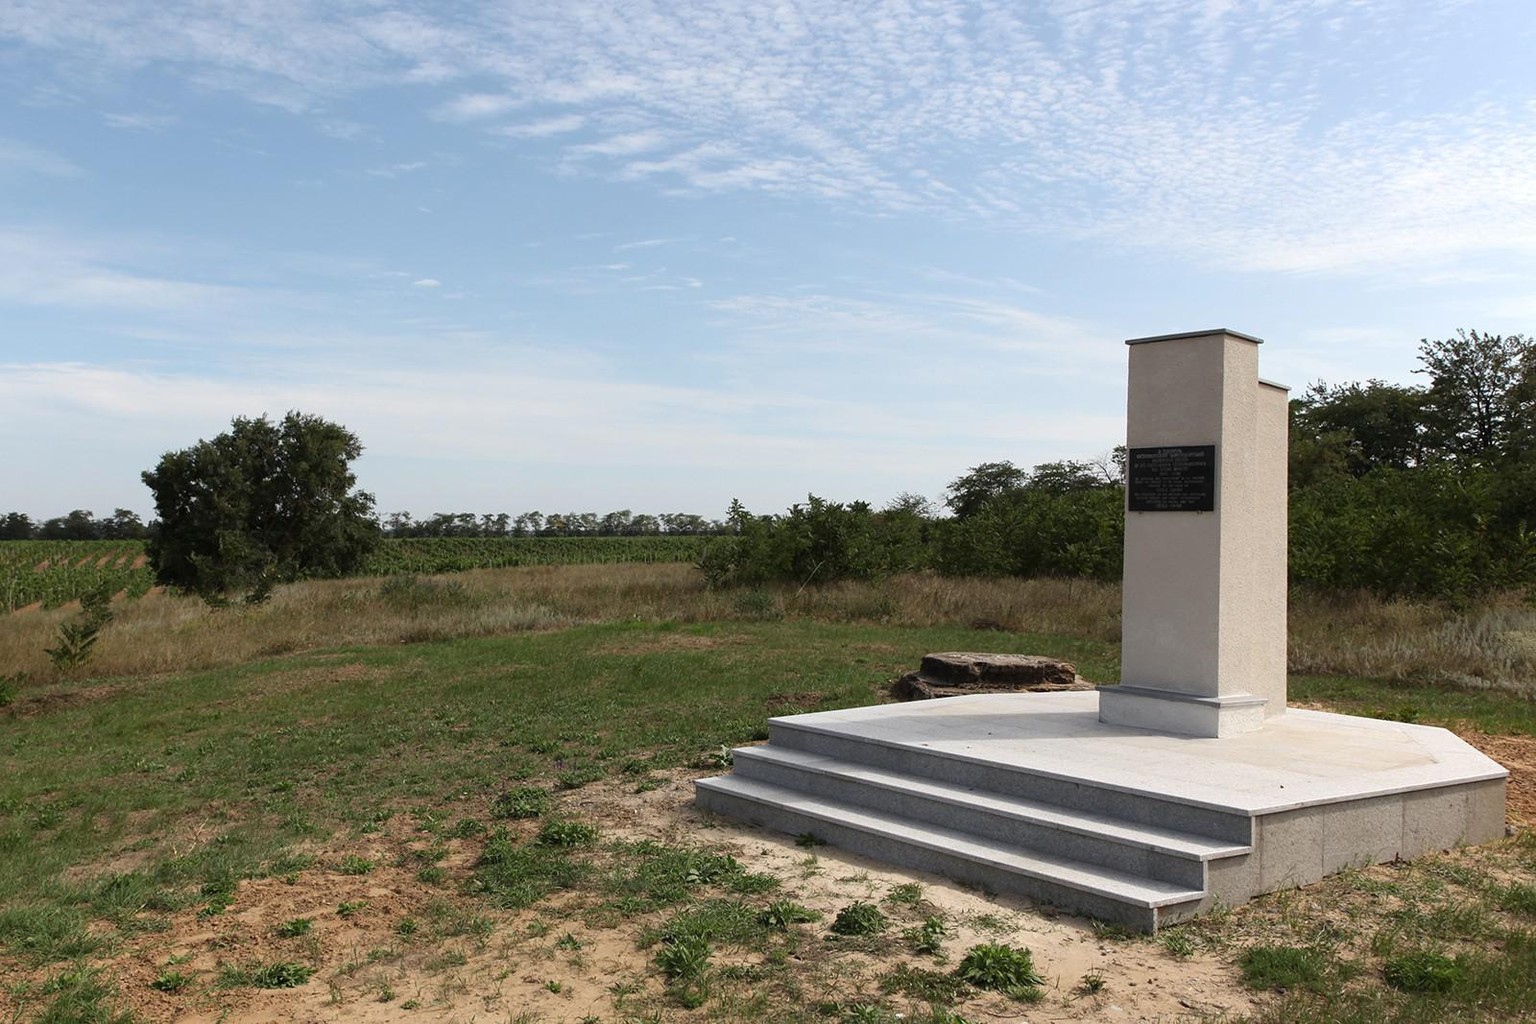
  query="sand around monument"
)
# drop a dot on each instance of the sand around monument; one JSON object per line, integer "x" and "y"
{"x": 558, "y": 962}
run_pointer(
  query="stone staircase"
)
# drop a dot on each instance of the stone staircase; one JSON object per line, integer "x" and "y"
{"x": 1135, "y": 858}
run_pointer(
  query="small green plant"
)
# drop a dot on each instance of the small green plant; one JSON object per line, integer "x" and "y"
{"x": 350, "y": 908}
{"x": 567, "y": 834}
{"x": 1274, "y": 967}
{"x": 685, "y": 958}
{"x": 859, "y": 918}
{"x": 411, "y": 1004}
{"x": 906, "y": 894}
{"x": 522, "y": 802}
{"x": 406, "y": 927}
{"x": 569, "y": 943}
{"x": 933, "y": 987}
{"x": 1178, "y": 943}
{"x": 866, "y": 1013}
{"x": 171, "y": 981}
{"x": 354, "y": 865}
{"x": 1092, "y": 983}
{"x": 283, "y": 974}
{"x": 432, "y": 875}
{"x": 1519, "y": 898}
{"x": 1423, "y": 972}
{"x": 780, "y": 914}
{"x": 77, "y": 637}
{"x": 1000, "y": 967}
{"x": 554, "y": 986}
{"x": 294, "y": 928}
{"x": 928, "y": 937}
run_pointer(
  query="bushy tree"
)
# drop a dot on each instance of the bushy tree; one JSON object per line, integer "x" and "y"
{"x": 259, "y": 505}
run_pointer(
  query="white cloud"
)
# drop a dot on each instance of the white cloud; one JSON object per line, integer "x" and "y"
{"x": 475, "y": 107}
{"x": 1328, "y": 136}
{"x": 23, "y": 158}
{"x": 427, "y": 282}
{"x": 139, "y": 122}
{"x": 544, "y": 128}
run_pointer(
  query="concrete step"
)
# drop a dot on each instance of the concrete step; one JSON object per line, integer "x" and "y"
{"x": 1101, "y": 892}
{"x": 1120, "y": 801}
{"x": 1080, "y": 836}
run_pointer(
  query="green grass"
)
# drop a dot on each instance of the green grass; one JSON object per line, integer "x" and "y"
{"x": 217, "y": 777}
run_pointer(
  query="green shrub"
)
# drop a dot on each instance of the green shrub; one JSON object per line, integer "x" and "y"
{"x": 859, "y": 918}
{"x": 1281, "y": 967}
{"x": 1000, "y": 967}
{"x": 1423, "y": 972}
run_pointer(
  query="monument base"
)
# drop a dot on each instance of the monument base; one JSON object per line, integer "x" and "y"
{"x": 1185, "y": 714}
{"x": 1034, "y": 794}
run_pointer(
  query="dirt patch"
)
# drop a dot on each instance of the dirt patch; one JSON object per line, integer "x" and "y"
{"x": 41, "y": 703}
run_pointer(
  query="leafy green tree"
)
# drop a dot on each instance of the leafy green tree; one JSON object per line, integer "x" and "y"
{"x": 1358, "y": 428}
{"x": 1482, "y": 392}
{"x": 262, "y": 504}
{"x": 968, "y": 494}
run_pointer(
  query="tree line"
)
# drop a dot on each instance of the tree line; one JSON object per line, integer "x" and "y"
{"x": 1403, "y": 489}
{"x": 1406, "y": 490}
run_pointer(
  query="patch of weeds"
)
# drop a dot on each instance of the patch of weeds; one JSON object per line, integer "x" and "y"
{"x": 171, "y": 981}
{"x": 1519, "y": 898}
{"x": 289, "y": 864}
{"x": 1091, "y": 983}
{"x": 1282, "y": 967}
{"x": 569, "y": 943}
{"x": 411, "y": 1004}
{"x": 684, "y": 962}
{"x": 432, "y": 875}
{"x": 1179, "y": 943}
{"x": 522, "y": 802}
{"x": 80, "y": 994}
{"x": 928, "y": 937}
{"x": 1423, "y": 972}
{"x": 752, "y": 883}
{"x": 406, "y": 927}
{"x": 908, "y": 894}
{"x": 720, "y": 757}
{"x": 651, "y": 875}
{"x": 354, "y": 865}
{"x": 466, "y": 828}
{"x": 684, "y": 958}
{"x": 282, "y": 974}
{"x": 446, "y": 959}
{"x": 994, "y": 924}
{"x": 575, "y": 778}
{"x": 46, "y": 934}
{"x": 808, "y": 840}
{"x": 937, "y": 987}
{"x": 1000, "y": 967}
{"x": 859, "y": 918}
{"x": 567, "y": 834}
{"x": 294, "y": 928}
{"x": 726, "y": 921}
{"x": 351, "y": 908}
{"x": 516, "y": 877}
{"x": 780, "y": 914}
{"x": 866, "y": 1013}
{"x": 554, "y": 986}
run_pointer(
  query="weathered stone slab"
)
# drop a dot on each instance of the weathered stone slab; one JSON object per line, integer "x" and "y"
{"x": 956, "y": 673}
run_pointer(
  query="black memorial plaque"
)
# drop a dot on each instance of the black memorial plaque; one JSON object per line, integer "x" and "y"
{"x": 1172, "y": 478}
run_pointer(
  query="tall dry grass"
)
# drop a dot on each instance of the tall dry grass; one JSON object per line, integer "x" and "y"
{"x": 1491, "y": 645}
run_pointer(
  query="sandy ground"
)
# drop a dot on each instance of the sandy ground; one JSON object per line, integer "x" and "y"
{"x": 560, "y": 964}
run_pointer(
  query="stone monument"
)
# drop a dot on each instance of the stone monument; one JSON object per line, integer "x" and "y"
{"x": 1187, "y": 786}
{"x": 1203, "y": 619}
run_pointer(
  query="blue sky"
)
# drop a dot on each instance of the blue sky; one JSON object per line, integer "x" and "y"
{"x": 650, "y": 255}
